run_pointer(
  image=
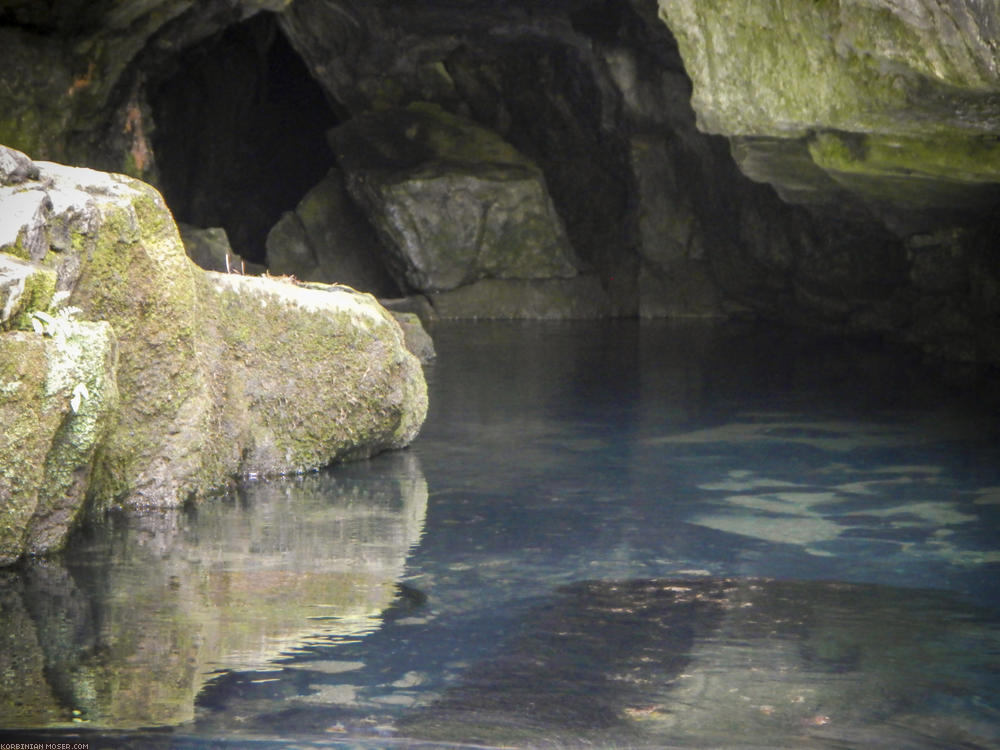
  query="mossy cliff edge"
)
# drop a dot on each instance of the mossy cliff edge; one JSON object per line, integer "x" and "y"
{"x": 892, "y": 101}
{"x": 215, "y": 376}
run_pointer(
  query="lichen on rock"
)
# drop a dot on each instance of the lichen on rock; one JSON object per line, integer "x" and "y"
{"x": 58, "y": 399}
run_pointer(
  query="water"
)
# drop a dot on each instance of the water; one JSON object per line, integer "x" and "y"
{"x": 607, "y": 535}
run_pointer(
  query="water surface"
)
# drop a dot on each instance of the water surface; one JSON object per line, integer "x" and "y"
{"x": 607, "y": 534}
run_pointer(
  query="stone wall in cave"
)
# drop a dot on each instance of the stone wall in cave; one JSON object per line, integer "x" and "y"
{"x": 240, "y": 131}
{"x": 834, "y": 165}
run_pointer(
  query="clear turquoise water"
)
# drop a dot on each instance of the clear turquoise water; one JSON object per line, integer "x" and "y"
{"x": 610, "y": 535}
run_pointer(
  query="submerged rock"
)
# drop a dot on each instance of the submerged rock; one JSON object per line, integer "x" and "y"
{"x": 218, "y": 375}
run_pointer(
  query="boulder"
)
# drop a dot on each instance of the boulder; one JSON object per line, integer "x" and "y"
{"x": 58, "y": 401}
{"x": 328, "y": 239}
{"x": 218, "y": 374}
{"x": 209, "y": 247}
{"x": 313, "y": 373}
{"x": 453, "y": 202}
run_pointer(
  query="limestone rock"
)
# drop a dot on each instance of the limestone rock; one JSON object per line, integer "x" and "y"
{"x": 314, "y": 373}
{"x": 328, "y": 239}
{"x": 218, "y": 374}
{"x": 453, "y": 202}
{"x": 895, "y": 102}
{"x": 58, "y": 399}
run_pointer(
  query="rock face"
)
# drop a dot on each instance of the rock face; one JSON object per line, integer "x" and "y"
{"x": 838, "y": 168}
{"x": 58, "y": 400}
{"x": 217, "y": 374}
{"x": 453, "y": 201}
{"x": 328, "y": 239}
{"x": 892, "y": 102}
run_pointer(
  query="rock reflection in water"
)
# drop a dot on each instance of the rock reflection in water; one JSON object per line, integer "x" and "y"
{"x": 125, "y": 634}
{"x": 733, "y": 663}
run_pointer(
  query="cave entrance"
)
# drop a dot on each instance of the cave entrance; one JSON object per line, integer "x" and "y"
{"x": 240, "y": 132}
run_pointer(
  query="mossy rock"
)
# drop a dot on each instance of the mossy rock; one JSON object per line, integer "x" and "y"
{"x": 317, "y": 372}
{"x": 218, "y": 375}
{"x": 58, "y": 398}
{"x": 903, "y": 101}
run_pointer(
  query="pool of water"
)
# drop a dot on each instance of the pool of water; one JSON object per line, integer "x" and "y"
{"x": 607, "y": 535}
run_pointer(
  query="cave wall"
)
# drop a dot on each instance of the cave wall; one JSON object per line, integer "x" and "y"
{"x": 838, "y": 168}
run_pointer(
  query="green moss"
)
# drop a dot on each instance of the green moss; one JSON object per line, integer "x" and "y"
{"x": 783, "y": 68}
{"x": 23, "y": 436}
{"x": 325, "y": 378}
{"x": 955, "y": 158}
{"x": 39, "y": 288}
{"x": 137, "y": 277}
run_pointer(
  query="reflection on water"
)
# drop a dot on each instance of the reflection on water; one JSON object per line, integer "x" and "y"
{"x": 636, "y": 535}
{"x": 127, "y": 629}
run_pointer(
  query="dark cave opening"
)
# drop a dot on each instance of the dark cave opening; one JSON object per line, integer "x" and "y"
{"x": 240, "y": 133}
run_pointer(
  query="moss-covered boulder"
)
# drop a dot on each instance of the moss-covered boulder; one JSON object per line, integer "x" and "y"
{"x": 313, "y": 373}
{"x": 453, "y": 201}
{"x": 218, "y": 375}
{"x": 58, "y": 401}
